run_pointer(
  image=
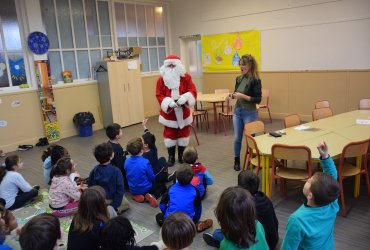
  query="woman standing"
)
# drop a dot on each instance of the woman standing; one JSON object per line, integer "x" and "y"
{"x": 248, "y": 94}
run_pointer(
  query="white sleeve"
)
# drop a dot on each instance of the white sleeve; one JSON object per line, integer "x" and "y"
{"x": 22, "y": 183}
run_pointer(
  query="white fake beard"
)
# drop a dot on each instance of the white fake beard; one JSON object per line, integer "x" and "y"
{"x": 171, "y": 78}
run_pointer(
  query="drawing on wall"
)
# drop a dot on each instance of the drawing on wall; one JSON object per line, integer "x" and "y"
{"x": 17, "y": 70}
{"x": 222, "y": 52}
{"x": 16, "y": 103}
{"x": 3, "y": 123}
{"x": 48, "y": 110}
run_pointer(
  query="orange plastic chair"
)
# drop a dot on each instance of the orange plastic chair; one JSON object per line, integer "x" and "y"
{"x": 322, "y": 104}
{"x": 230, "y": 103}
{"x": 252, "y": 128}
{"x": 346, "y": 169}
{"x": 321, "y": 113}
{"x": 253, "y": 157}
{"x": 294, "y": 153}
{"x": 265, "y": 102}
{"x": 364, "y": 104}
{"x": 292, "y": 120}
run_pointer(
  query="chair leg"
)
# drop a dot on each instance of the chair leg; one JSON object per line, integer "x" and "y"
{"x": 268, "y": 109}
{"x": 271, "y": 180}
{"x": 195, "y": 133}
{"x": 245, "y": 160}
{"x": 343, "y": 204}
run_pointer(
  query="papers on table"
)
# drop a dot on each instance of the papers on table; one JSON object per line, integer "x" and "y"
{"x": 363, "y": 121}
{"x": 306, "y": 128}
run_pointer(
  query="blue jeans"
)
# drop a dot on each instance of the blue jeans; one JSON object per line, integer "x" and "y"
{"x": 217, "y": 235}
{"x": 241, "y": 117}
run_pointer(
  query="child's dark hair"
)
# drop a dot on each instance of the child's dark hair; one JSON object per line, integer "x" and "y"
{"x": 7, "y": 216}
{"x": 112, "y": 130}
{"x": 46, "y": 153}
{"x": 91, "y": 207}
{"x": 190, "y": 155}
{"x": 135, "y": 146}
{"x": 249, "y": 181}
{"x": 62, "y": 166}
{"x": 103, "y": 152}
{"x": 2, "y": 173}
{"x": 149, "y": 139}
{"x": 325, "y": 189}
{"x": 236, "y": 214}
{"x": 184, "y": 174}
{"x": 57, "y": 152}
{"x": 118, "y": 234}
{"x": 11, "y": 161}
{"x": 40, "y": 233}
{"x": 178, "y": 231}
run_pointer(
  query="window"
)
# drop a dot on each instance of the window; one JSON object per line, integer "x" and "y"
{"x": 80, "y": 35}
{"x": 195, "y": 57}
{"x": 12, "y": 55}
{"x": 143, "y": 26}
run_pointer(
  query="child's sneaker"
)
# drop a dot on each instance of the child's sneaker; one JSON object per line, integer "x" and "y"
{"x": 208, "y": 238}
{"x": 138, "y": 198}
{"x": 24, "y": 147}
{"x": 152, "y": 200}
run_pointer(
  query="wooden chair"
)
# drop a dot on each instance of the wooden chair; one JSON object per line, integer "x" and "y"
{"x": 201, "y": 116}
{"x": 292, "y": 120}
{"x": 294, "y": 153}
{"x": 230, "y": 103}
{"x": 346, "y": 169}
{"x": 251, "y": 129}
{"x": 364, "y": 104}
{"x": 195, "y": 133}
{"x": 321, "y": 113}
{"x": 221, "y": 91}
{"x": 265, "y": 102}
{"x": 252, "y": 154}
{"x": 322, "y": 104}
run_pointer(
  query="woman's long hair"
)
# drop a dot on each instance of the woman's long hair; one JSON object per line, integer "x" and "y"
{"x": 92, "y": 207}
{"x": 236, "y": 214}
{"x": 251, "y": 61}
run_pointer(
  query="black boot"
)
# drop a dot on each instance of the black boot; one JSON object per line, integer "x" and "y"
{"x": 180, "y": 153}
{"x": 171, "y": 156}
{"x": 237, "y": 163}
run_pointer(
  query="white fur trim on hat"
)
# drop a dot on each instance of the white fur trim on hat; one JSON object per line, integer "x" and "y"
{"x": 183, "y": 141}
{"x": 169, "y": 142}
{"x": 165, "y": 102}
{"x": 191, "y": 100}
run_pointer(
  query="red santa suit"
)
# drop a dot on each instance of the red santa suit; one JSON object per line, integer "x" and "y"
{"x": 176, "y": 120}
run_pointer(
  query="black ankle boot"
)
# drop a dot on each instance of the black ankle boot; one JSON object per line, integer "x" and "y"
{"x": 237, "y": 163}
{"x": 171, "y": 156}
{"x": 180, "y": 153}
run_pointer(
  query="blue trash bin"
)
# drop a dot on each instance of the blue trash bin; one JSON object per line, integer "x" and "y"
{"x": 85, "y": 130}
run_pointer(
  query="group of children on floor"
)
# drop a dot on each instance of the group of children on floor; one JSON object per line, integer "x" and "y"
{"x": 246, "y": 216}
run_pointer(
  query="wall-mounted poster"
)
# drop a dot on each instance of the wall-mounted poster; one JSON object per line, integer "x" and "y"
{"x": 222, "y": 52}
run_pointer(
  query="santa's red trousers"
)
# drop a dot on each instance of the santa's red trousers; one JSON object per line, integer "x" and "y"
{"x": 173, "y": 136}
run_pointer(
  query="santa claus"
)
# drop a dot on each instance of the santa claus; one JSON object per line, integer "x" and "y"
{"x": 176, "y": 93}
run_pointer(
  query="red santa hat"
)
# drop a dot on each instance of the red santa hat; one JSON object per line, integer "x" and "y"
{"x": 172, "y": 59}
{"x": 175, "y": 60}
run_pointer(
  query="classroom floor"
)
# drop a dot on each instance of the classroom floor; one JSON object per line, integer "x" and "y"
{"x": 216, "y": 154}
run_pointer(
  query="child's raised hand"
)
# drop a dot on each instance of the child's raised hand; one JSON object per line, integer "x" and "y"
{"x": 144, "y": 122}
{"x": 323, "y": 150}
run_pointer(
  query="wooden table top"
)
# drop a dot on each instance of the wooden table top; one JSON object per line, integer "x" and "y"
{"x": 212, "y": 97}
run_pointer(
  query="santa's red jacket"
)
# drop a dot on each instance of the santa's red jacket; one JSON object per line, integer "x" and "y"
{"x": 181, "y": 116}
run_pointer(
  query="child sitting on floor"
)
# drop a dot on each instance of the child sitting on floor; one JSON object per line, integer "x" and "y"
{"x": 311, "y": 226}
{"x": 236, "y": 214}
{"x": 140, "y": 176}
{"x": 178, "y": 231}
{"x": 42, "y": 232}
{"x": 202, "y": 178}
{"x": 114, "y": 133}
{"x": 9, "y": 228}
{"x": 64, "y": 194}
{"x": 159, "y": 166}
{"x": 14, "y": 189}
{"x": 183, "y": 197}
{"x": 118, "y": 234}
{"x": 92, "y": 214}
{"x": 109, "y": 177}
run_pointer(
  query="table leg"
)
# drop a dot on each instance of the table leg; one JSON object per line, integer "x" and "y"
{"x": 357, "y": 177}
{"x": 263, "y": 180}
{"x": 267, "y": 177}
{"x": 215, "y": 117}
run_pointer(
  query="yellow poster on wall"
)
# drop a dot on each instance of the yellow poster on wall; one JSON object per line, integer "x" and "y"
{"x": 222, "y": 52}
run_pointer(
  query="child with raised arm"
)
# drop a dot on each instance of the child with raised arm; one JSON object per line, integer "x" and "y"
{"x": 202, "y": 177}
{"x": 311, "y": 226}
{"x": 150, "y": 152}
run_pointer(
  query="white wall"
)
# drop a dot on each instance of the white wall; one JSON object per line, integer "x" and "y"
{"x": 295, "y": 34}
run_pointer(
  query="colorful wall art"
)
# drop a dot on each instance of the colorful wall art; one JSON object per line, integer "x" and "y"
{"x": 222, "y": 52}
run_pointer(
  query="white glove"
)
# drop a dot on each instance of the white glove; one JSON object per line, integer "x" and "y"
{"x": 172, "y": 105}
{"x": 182, "y": 100}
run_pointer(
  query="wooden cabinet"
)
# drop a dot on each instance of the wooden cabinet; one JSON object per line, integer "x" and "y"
{"x": 121, "y": 97}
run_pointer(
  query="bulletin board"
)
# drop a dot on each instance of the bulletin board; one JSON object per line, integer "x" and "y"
{"x": 222, "y": 52}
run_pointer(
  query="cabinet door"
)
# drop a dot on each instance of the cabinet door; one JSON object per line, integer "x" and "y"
{"x": 135, "y": 95}
{"x": 117, "y": 72}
